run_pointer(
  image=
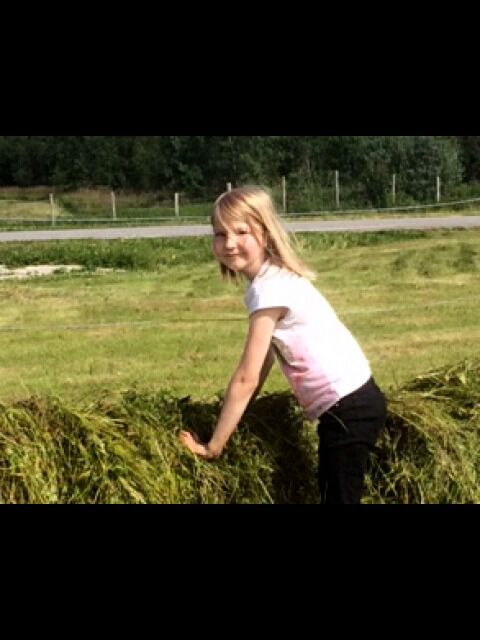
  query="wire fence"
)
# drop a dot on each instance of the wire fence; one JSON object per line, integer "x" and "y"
{"x": 100, "y": 207}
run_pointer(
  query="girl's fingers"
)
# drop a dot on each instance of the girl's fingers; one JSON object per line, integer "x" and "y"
{"x": 188, "y": 441}
{"x": 188, "y": 435}
{"x": 191, "y": 441}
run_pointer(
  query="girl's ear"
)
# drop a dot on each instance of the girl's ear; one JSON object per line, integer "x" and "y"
{"x": 260, "y": 235}
{"x": 264, "y": 238}
{"x": 268, "y": 242}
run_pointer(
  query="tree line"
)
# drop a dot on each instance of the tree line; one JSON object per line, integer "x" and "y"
{"x": 200, "y": 166}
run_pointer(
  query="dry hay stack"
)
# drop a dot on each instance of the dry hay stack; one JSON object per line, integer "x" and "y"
{"x": 123, "y": 448}
{"x": 430, "y": 451}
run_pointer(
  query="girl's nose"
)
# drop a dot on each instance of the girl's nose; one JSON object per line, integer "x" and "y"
{"x": 229, "y": 241}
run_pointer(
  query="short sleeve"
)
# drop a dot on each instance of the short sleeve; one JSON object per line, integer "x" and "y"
{"x": 267, "y": 295}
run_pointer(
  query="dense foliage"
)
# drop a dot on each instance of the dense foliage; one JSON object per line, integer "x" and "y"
{"x": 200, "y": 166}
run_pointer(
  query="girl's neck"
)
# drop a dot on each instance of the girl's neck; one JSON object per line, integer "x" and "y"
{"x": 263, "y": 267}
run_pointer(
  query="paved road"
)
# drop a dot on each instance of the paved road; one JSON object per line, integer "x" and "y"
{"x": 325, "y": 226}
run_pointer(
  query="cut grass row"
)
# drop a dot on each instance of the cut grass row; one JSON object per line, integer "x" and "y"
{"x": 412, "y": 300}
{"x": 123, "y": 448}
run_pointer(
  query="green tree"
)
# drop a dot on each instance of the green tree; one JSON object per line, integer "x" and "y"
{"x": 470, "y": 156}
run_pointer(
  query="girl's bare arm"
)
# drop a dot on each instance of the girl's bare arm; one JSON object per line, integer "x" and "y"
{"x": 252, "y": 370}
{"x": 266, "y": 368}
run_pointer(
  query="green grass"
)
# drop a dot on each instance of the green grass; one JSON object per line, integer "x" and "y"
{"x": 99, "y": 372}
{"x": 153, "y": 254}
{"x": 31, "y": 212}
{"x": 93, "y": 207}
{"x": 430, "y": 450}
{"x": 123, "y": 448}
{"x": 411, "y": 299}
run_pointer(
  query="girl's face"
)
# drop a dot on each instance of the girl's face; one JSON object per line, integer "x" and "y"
{"x": 239, "y": 247}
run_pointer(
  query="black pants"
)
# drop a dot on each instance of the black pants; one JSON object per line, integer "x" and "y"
{"x": 348, "y": 431}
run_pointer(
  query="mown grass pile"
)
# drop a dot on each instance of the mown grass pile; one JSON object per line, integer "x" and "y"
{"x": 430, "y": 451}
{"x": 124, "y": 449}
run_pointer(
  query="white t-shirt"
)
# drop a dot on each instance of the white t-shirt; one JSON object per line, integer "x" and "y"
{"x": 318, "y": 355}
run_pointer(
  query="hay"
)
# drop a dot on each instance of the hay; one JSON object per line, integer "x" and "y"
{"x": 430, "y": 450}
{"x": 124, "y": 448}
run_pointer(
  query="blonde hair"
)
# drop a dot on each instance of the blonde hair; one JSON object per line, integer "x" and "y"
{"x": 255, "y": 206}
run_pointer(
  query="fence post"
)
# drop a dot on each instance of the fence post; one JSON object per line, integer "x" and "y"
{"x": 393, "y": 188}
{"x": 438, "y": 188}
{"x": 337, "y": 190}
{"x": 177, "y": 205}
{"x": 52, "y": 207}
{"x": 284, "y": 194}
{"x": 229, "y": 186}
{"x": 114, "y": 209}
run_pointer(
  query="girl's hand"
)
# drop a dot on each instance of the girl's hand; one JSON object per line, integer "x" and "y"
{"x": 191, "y": 441}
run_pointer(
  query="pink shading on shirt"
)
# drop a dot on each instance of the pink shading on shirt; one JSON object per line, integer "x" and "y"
{"x": 310, "y": 385}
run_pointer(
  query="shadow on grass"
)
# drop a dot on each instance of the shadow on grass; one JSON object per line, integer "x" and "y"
{"x": 276, "y": 424}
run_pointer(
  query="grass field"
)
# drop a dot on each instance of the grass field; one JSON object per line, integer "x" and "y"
{"x": 22, "y": 212}
{"x": 168, "y": 322}
{"x": 99, "y": 371}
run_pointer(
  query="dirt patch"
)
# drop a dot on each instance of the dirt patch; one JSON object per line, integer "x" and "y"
{"x": 36, "y": 270}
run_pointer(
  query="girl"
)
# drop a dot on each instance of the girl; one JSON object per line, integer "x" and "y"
{"x": 289, "y": 318}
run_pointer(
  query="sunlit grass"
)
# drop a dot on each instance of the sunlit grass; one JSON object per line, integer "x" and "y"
{"x": 122, "y": 447}
{"x": 98, "y": 372}
{"x": 412, "y": 302}
{"x": 32, "y": 211}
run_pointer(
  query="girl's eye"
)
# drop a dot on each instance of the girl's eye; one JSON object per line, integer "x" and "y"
{"x": 219, "y": 234}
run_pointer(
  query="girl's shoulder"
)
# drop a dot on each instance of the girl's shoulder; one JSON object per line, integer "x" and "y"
{"x": 276, "y": 272}
{"x": 275, "y": 279}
